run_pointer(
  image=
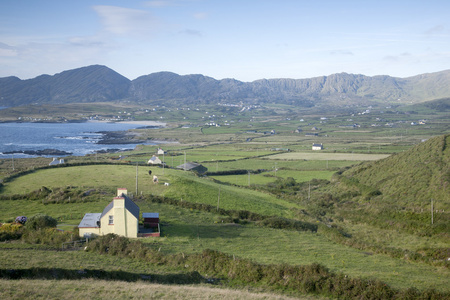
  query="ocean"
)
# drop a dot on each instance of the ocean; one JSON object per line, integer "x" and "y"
{"x": 77, "y": 138}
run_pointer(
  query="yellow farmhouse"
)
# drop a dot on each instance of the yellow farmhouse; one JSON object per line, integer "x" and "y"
{"x": 120, "y": 216}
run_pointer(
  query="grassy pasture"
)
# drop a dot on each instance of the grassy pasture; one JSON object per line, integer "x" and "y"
{"x": 109, "y": 177}
{"x": 202, "y": 190}
{"x": 272, "y": 246}
{"x": 268, "y": 163}
{"x": 266, "y": 177}
{"x": 183, "y": 185}
{"x": 328, "y": 156}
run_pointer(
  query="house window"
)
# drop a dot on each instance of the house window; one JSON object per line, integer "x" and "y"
{"x": 111, "y": 220}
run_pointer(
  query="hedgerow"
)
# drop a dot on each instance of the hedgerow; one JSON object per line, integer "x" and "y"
{"x": 312, "y": 279}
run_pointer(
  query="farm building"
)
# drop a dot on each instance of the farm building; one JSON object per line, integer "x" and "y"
{"x": 154, "y": 160}
{"x": 160, "y": 151}
{"x": 192, "y": 166}
{"x": 120, "y": 216}
{"x": 316, "y": 146}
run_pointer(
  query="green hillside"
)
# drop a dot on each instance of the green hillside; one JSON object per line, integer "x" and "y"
{"x": 415, "y": 176}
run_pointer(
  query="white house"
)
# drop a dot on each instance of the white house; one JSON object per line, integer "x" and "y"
{"x": 55, "y": 161}
{"x": 120, "y": 216}
{"x": 154, "y": 160}
{"x": 316, "y": 146}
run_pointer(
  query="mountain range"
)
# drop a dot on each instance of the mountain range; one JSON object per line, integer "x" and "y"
{"x": 99, "y": 83}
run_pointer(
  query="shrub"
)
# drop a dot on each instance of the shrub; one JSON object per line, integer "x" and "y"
{"x": 41, "y": 221}
{"x": 282, "y": 223}
{"x": 46, "y": 236}
{"x": 10, "y": 232}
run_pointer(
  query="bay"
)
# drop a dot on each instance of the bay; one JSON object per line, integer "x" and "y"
{"x": 77, "y": 138}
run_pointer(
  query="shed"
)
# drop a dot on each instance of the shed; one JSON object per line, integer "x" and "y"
{"x": 150, "y": 219}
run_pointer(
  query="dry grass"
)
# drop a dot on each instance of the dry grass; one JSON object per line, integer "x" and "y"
{"x": 101, "y": 289}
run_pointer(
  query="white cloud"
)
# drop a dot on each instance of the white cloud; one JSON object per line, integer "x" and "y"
{"x": 438, "y": 29}
{"x": 7, "y": 51}
{"x": 341, "y": 52}
{"x": 160, "y": 3}
{"x": 200, "y": 15}
{"x": 192, "y": 32}
{"x": 126, "y": 21}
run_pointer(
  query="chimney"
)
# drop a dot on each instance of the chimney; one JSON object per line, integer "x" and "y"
{"x": 121, "y": 191}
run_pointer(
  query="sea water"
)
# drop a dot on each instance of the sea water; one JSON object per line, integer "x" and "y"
{"x": 77, "y": 138}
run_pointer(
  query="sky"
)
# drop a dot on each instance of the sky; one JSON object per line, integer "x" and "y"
{"x": 242, "y": 39}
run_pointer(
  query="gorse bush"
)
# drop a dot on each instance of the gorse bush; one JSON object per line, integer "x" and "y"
{"x": 11, "y": 231}
{"x": 47, "y": 236}
{"x": 41, "y": 221}
{"x": 282, "y": 223}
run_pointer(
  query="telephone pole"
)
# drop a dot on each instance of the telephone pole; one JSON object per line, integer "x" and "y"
{"x": 137, "y": 178}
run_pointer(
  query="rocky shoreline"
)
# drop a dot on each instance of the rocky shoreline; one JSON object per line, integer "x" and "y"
{"x": 49, "y": 152}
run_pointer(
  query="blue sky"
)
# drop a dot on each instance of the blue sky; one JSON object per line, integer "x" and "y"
{"x": 242, "y": 39}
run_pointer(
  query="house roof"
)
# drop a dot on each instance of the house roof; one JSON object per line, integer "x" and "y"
{"x": 189, "y": 166}
{"x": 90, "y": 220}
{"x": 129, "y": 205}
{"x": 150, "y": 215}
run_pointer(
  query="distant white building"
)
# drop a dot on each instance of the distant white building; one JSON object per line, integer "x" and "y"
{"x": 154, "y": 160}
{"x": 316, "y": 146}
{"x": 55, "y": 161}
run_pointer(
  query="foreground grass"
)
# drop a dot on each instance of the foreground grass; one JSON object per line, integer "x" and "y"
{"x": 101, "y": 289}
{"x": 79, "y": 261}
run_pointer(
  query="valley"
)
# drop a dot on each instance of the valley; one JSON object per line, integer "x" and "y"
{"x": 267, "y": 199}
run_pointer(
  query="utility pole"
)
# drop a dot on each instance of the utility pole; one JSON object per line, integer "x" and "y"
{"x": 432, "y": 212}
{"x": 13, "y": 161}
{"x": 248, "y": 178}
{"x": 163, "y": 163}
{"x": 218, "y": 200}
{"x": 309, "y": 190}
{"x": 185, "y": 160}
{"x": 137, "y": 178}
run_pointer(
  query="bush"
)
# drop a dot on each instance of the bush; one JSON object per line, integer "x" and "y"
{"x": 46, "y": 236}
{"x": 10, "y": 232}
{"x": 41, "y": 221}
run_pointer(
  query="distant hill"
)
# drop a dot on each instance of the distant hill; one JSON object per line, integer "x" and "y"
{"x": 413, "y": 177}
{"x": 87, "y": 84}
{"x": 100, "y": 84}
